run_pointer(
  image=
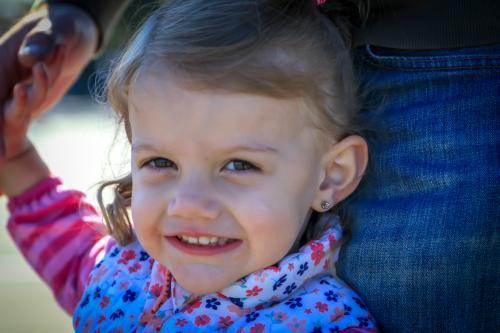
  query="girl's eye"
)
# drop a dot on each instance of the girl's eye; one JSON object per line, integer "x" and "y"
{"x": 240, "y": 165}
{"x": 160, "y": 163}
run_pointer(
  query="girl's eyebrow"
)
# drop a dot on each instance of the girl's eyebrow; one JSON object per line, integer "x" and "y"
{"x": 136, "y": 148}
{"x": 255, "y": 147}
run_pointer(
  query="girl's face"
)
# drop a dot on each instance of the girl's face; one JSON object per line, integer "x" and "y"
{"x": 222, "y": 182}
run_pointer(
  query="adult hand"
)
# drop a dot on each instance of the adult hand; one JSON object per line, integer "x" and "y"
{"x": 21, "y": 166}
{"x": 36, "y": 38}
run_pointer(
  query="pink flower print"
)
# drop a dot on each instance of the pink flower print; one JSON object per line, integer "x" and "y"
{"x": 337, "y": 314}
{"x": 261, "y": 276}
{"x": 332, "y": 241}
{"x": 156, "y": 290}
{"x": 318, "y": 252}
{"x": 99, "y": 274}
{"x": 326, "y": 265}
{"x": 291, "y": 266}
{"x": 101, "y": 319}
{"x": 162, "y": 269}
{"x": 156, "y": 322}
{"x": 195, "y": 305}
{"x": 135, "y": 267}
{"x": 257, "y": 328}
{"x": 274, "y": 269}
{"x": 274, "y": 298}
{"x": 225, "y": 322}
{"x": 181, "y": 322}
{"x": 280, "y": 316}
{"x": 254, "y": 291}
{"x": 259, "y": 307}
{"x": 308, "y": 311}
{"x": 145, "y": 317}
{"x": 322, "y": 307}
{"x": 104, "y": 302}
{"x": 220, "y": 295}
{"x": 124, "y": 285}
{"x": 202, "y": 320}
{"x": 126, "y": 256}
{"x": 235, "y": 309}
{"x": 87, "y": 325}
{"x": 295, "y": 325}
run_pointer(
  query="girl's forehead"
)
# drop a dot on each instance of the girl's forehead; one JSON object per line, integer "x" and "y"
{"x": 163, "y": 110}
{"x": 162, "y": 92}
{"x": 169, "y": 82}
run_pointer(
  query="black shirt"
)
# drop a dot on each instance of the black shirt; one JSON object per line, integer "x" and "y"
{"x": 404, "y": 24}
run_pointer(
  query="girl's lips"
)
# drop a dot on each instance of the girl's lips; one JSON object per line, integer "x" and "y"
{"x": 202, "y": 250}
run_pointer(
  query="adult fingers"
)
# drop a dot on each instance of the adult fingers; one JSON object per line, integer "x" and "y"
{"x": 15, "y": 110}
{"x": 39, "y": 44}
{"x": 55, "y": 66}
{"x": 16, "y": 122}
{"x": 38, "y": 90}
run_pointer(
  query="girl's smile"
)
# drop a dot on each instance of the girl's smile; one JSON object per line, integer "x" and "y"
{"x": 222, "y": 182}
{"x": 204, "y": 245}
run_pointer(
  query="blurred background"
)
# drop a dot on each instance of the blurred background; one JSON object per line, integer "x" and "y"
{"x": 80, "y": 141}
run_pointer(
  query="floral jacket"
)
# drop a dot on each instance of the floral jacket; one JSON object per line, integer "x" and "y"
{"x": 123, "y": 289}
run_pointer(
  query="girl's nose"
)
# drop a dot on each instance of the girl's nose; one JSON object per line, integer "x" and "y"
{"x": 193, "y": 206}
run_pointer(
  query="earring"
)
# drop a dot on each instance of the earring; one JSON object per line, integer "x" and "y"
{"x": 325, "y": 205}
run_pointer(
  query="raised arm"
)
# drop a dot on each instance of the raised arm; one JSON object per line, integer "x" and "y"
{"x": 60, "y": 235}
{"x": 56, "y": 230}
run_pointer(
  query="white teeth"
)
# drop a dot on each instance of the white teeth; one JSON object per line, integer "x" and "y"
{"x": 204, "y": 240}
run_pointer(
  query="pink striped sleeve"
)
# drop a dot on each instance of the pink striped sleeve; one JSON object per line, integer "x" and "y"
{"x": 60, "y": 235}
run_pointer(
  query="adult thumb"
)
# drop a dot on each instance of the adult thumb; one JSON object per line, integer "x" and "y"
{"x": 38, "y": 45}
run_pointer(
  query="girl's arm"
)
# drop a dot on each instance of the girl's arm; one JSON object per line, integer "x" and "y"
{"x": 22, "y": 172}
{"x": 61, "y": 236}
{"x": 20, "y": 165}
{"x": 56, "y": 230}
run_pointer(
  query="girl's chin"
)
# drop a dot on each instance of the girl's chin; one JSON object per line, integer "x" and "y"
{"x": 201, "y": 286}
{"x": 203, "y": 280}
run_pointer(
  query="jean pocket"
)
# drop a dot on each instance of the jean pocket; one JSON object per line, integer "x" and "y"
{"x": 483, "y": 57}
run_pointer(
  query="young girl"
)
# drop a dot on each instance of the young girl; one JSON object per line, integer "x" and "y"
{"x": 239, "y": 115}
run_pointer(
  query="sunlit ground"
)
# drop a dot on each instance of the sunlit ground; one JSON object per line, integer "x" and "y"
{"x": 75, "y": 139}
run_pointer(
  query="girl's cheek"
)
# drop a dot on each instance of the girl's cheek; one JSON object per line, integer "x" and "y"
{"x": 145, "y": 206}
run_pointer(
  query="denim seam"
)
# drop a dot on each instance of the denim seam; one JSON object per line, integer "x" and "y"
{"x": 394, "y": 65}
{"x": 431, "y": 58}
{"x": 436, "y": 58}
{"x": 418, "y": 63}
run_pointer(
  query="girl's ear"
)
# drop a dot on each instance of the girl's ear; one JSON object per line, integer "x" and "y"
{"x": 343, "y": 166}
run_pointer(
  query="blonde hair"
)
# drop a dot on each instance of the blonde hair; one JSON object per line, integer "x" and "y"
{"x": 276, "y": 48}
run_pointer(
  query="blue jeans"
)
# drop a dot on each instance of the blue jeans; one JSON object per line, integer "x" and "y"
{"x": 423, "y": 248}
